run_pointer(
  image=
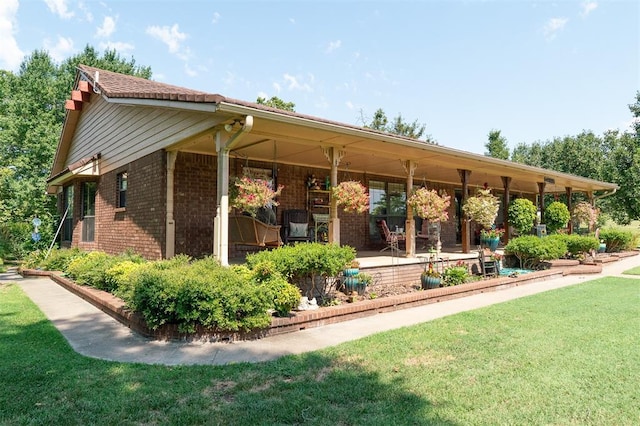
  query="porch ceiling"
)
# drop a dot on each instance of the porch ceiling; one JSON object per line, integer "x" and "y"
{"x": 294, "y": 142}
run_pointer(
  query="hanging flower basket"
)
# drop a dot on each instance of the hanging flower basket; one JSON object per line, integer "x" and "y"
{"x": 483, "y": 208}
{"x": 248, "y": 195}
{"x": 430, "y": 205}
{"x": 352, "y": 196}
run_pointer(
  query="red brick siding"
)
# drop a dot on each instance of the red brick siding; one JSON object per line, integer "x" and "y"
{"x": 194, "y": 203}
{"x": 141, "y": 225}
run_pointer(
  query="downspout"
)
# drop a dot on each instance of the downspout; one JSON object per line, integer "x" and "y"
{"x": 606, "y": 194}
{"x": 221, "y": 221}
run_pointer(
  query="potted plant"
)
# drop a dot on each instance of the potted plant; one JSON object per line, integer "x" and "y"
{"x": 430, "y": 278}
{"x": 491, "y": 237}
{"x": 364, "y": 280}
{"x": 352, "y": 196}
{"x": 350, "y": 274}
{"x": 248, "y": 195}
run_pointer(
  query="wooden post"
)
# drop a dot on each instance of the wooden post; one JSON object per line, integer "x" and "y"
{"x": 466, "y": 235}
{"x": 541, "y": 186}
{"x": 410, "y": 224}
{"x": 569, "y": 191}
{"x": 506, "y": 184}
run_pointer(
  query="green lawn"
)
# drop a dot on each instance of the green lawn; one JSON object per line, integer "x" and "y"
{"x": 633, "y": 271}
{"x": 566, "y": 357}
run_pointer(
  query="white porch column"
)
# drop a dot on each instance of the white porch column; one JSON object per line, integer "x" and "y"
{"x": 410, "y": 223}
{"x": 334, "y": 156}
{"x": 170, "y": 231}
{"x": 221, "y": 221}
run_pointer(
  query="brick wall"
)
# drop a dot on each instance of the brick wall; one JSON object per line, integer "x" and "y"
{"x": 140, "y": 226}
{"x": 194, "y": 203}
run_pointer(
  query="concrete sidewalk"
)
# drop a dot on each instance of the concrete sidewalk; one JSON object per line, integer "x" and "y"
{"x": 93, "y": 333}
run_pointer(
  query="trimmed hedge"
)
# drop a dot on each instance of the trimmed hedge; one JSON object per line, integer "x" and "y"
{"x": 531, "y": 251}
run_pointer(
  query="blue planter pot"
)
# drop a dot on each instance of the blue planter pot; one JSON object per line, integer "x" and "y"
{"x": 350, "y": 272}
{"x": 429, "y": 282}
{"x": 351, "y": 283}
{"x": 492, "y": 243}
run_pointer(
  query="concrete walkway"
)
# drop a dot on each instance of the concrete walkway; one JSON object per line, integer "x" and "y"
{"x": 95, "y": 334}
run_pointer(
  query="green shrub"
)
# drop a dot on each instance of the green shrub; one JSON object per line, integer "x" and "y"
{"x": 618, "y": 239}
{"x": 455, "y": 275}
{"x": 577, "y": 245}
{"x": 204, "y": 293}
{"x": 303, "y": 263}
{"x": 556, "y": 216}
{"x": 119, "y": 277}
{"x": 522, "y": 215}
{"x": 59, "y": 259}
{"x": 531, "y": 250}
{"x": 92, "y": 268}
{"x": 284, "y": 296}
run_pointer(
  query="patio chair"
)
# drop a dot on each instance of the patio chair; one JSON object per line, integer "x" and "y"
{"x": 488, "y": 266}
{"x": 295, "y": 226}
{"x": 392, "y": 240}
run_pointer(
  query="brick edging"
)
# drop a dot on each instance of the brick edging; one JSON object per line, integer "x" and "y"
{"x": 300, "y": 320}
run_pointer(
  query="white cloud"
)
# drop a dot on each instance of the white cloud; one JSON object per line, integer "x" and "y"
{"x": 119, "y": 46}
{"x": 277, "y": 87}
{"x": 293, "y": 83}
{"x": 60, "y": 8}
{"x": 190, "y": 71}
{"x": 107, "y": 28}
{"x": 10, "y": 55}
{"x": 333, "y": 45}
{"x": 263, "y": 95}
{"x": 82, "y": 7}
{"x": 61, "y": 49}
{"x": 172, "y": 37}
{"x": 216, "y": 18}
{"x": 588, "y": 7}
{"x": 553, "y": 26}
{"x": 349, "y": 105}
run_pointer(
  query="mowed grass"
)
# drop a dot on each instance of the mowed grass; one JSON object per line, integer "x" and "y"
{"x": 566, "y": 357}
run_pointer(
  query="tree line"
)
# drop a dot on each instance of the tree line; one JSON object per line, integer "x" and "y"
{"x": 612, "y": 157}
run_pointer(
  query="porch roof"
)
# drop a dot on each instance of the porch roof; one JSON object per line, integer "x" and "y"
{"x": 298, "y": 139}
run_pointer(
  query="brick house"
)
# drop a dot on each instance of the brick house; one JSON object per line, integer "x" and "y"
{"x": 145, "y": 166}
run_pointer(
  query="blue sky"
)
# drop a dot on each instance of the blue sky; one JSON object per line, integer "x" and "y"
{"x": 534, "y": 70}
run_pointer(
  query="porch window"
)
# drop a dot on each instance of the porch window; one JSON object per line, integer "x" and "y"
{"x": 121, "y": 201}
{"x": 388, "y": 201}
{"x": 88, "y": 211}
{"x": 67, "y": 205}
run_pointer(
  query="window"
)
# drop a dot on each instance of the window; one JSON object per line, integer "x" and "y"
{"x": 122, "y": 190}
{"x": 387, "y": 201}
{"x": 88, "y": 211}
{"x": 67, "y": 206}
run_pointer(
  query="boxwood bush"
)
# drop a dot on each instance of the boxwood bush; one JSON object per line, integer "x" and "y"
{"x": 531, "y": 251}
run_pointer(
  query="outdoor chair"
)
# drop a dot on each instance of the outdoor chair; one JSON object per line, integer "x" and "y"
{"x": 488, "y": 266}
{"x": 295, "y": 226}
{"x": 392, "y": 240}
